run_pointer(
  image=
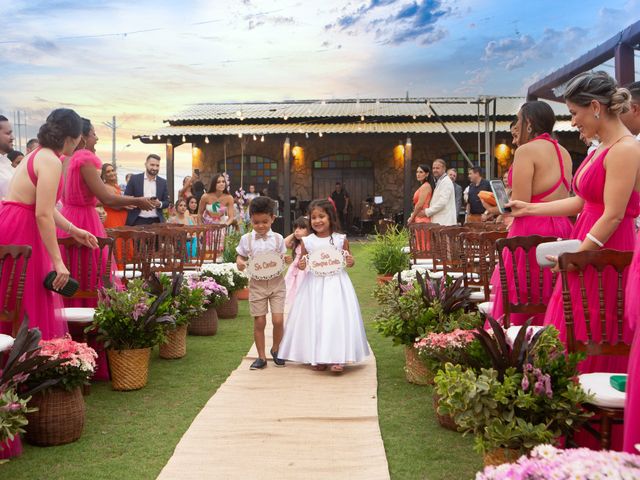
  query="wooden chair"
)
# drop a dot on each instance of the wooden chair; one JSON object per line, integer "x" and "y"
{"x": 169, "y": 249}
{"x": 451, "y": 253}
{"x": 420, "y": 246}
{"x": 213, "y": 244}
{"x": 13, "y": 269}
{"x": 510, "y": 246}
{"x": 197, "y": 234}
{"x": 479, "y": 251}
{"x": 134, "y": 258}
{"x": 608, "y": 403}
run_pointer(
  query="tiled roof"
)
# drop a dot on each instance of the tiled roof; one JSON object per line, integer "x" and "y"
{"x": 330, "y": 128}
{"x": 445, "y": 107}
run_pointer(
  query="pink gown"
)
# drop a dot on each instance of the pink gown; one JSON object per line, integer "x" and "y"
{"x": 18, "y": 226}
{"x": 524, "y": 226}
{"x": 632, "y": 407}
{"x": 79, "y": 207}
{"x": 293, "y": 279}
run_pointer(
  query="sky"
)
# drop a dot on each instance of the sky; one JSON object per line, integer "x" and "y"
{"x": 144, "y": 61}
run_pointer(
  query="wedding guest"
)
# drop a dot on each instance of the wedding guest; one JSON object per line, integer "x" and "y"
{"x": 453, "y": 175}
{"x": 116, "y": 216}
{"x": 15, "y": 157}
{"x": 541, "y": 172}
{"x": 477, "y": 184}
{"x": 186, "y": 192}
{"x": 607, "y": 187}
{"x": 32, "y": 145}
{"x": 631, "y": 118}
{"x": 6, "y": 146}
{"x": 148, "y": 185}
{"x": 442, "y": 208}
{"x": 192, "y": 206}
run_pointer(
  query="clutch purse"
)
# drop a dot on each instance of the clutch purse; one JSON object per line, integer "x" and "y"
{"x": 70, "y": 288}
{"x": 555, "y": 249}
{"x": 618, "y": 382}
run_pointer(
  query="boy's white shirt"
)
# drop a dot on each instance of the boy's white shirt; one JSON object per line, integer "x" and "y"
{"x": 273, "y": 243}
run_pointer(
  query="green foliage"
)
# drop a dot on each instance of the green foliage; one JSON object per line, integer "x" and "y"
{"x": 13, "y": 409}
{"x": 133, "y": 318}
{"x": 231, "y": 241}
{"x": 516, "y": 408}
{"x": 451, "y": 295}
{"x": 386, "y": 251}
{"x": 190, "y": 304}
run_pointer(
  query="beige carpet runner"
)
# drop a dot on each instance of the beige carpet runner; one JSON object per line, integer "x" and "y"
{"x": 285, "y": 423}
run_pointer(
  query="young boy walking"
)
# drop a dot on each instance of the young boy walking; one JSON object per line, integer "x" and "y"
{"x": 263, "y": 293}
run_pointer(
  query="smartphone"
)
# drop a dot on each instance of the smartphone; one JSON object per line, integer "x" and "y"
{"x": 501, "y": 195}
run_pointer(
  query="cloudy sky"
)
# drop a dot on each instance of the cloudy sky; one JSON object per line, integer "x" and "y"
{"x": 143, "y": 61}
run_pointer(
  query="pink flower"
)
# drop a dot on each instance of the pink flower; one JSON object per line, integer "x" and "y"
{"x": 525, "y": 383}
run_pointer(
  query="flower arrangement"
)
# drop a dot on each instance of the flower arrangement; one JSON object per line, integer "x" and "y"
{"x": 132, "y": 318}
{"x": 411, "y": 310}
{"x": 457, "y": 347}
{"x": 79, "y": 363}
{"x": 213, "y": 294}
{"x": 546, "y": 462}
{"x": 528, "y": 397}
{"x": 387, "y": 251}
{"x": 231, "y": 241}
{"x": 226, "y": 275}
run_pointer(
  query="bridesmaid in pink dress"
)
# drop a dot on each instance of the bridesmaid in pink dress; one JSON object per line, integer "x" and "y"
{"x": 28, "y": 217}
{"x": 82, "y": 190}
{"x": 294, "y": 277}
{"x": 422, "y": 198}
{"x": 541, "y": 172}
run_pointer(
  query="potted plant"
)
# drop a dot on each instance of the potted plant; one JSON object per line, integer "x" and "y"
{"x": 227, "y": 275}
{"x": 528, "y": 397}
{"x": 59, "y": 410}
{"x": 211, "y": 295}
{"x": 231, "y": 241}
{"x": 388, "y": 255}
{"x": 22, "y": 361}
{"x": 546, "y": 461}
{"x": 409, "y": 310}
{"x": 129, "y": 323}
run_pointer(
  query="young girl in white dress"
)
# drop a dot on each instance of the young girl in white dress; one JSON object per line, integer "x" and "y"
{"x": 325, "y": 325}
{"x": 294, "y": 277}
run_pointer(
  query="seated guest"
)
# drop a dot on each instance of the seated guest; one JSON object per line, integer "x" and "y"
{"x": 15, "y": 157}
{"x": 477, "y": 184}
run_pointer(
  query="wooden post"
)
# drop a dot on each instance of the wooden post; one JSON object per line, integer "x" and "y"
{"x": 286, "y": 155}
{"x": 170, "y": 170}
{"x": 408, "y": 155}
{"x": 624, "y": 60}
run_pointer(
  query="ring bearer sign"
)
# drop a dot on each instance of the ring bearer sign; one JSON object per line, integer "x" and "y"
{"x": 325, "y": 262}
{"x": 265, "y": 265}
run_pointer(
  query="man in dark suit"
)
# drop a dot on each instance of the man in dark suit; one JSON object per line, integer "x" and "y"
{"x": 148, "y": 185}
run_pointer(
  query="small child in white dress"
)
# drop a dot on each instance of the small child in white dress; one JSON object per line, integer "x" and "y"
{"x": 294, "y": 277}
{"x": 325, "y": 326}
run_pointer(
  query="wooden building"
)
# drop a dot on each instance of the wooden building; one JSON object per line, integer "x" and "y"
{"x": 306, "y": 146}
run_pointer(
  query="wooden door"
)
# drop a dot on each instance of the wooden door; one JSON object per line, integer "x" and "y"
{"x": 357, "y": 182}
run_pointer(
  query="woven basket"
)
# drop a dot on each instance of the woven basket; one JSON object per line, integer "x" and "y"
{"x": 129, "y": 368}
{"x": 498, "y": 456}
{"x": 243, "y": 294}
{"x": 59, "y": 419}
{"x": 229, "y": 309}
{"x": 205, "y": 324}
{"x": 176, "y": 344}
{"x": 415, "y": 369}
{"x": 445, "y": 421}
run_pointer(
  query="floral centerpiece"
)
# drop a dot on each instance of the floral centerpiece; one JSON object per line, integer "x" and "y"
{"x": 546, "y": 462}
{"x": 528, "y": 397}
{"x": 458, "y": 347}
{"x": 213, "y": 295}
{"x": 129, "y": 323}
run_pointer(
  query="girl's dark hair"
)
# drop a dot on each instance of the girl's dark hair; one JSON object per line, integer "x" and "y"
{"x": 214, "y": 181}
{"x": 600, "y": 86}
{"x": 192, "y": 212}
{"x": 327, "y": 206}
{"x": 13, "y": 154}
{"x": 301, "y": 222}
{"x": 429, "y": 178}
{"x": 181, "y": 200}
{"x": 540, "y": 116}
{"x": 104, "y": 171}
{"x": 61, "y": 124}
{"x": 86, "y": 126}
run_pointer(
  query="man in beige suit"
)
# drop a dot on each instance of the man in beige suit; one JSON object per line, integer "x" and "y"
{"x": 442, "y": 209}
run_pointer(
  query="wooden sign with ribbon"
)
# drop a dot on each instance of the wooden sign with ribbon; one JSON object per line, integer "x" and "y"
{"x": 327, "y": 261}
{"x": 265, "y": 265}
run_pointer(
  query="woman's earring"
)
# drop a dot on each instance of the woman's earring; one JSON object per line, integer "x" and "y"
{"x": 597, "y": 115}
{"x": 529, "y": 129}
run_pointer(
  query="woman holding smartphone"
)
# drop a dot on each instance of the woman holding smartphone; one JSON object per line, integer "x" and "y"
{"x": 607, "y": 187}
{"x": 541, "y": 172}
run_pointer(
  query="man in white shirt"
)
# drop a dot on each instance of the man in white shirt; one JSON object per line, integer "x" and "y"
{"x": 148, "y": 185}
{"x": 442, "y": 209}
{"x": 6, "y": 145}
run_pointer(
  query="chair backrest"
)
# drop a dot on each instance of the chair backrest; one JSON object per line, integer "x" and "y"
{"x": 134, "y": 257}
{"x": 170, "y": 250}
{"x": 91, "y": 268}
{"x": 196, "y": 241}
{"x": 13, "y": 269}
{"x": 479, "y": 253}
{"x": 597, "y": 261}
{"x": 213, "y": 244}
{"x": 524, "y": 301}
{"x": 450, "y": 244}
{"x": 420, "y": 240}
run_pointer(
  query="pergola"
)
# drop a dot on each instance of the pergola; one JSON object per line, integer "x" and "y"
{"x": 620, "y": 47}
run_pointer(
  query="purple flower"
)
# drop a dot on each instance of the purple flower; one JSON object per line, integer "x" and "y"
{"x": 538, "y": 388}
{"x": 525, "y": 383}
{"x": 139, "y": 310}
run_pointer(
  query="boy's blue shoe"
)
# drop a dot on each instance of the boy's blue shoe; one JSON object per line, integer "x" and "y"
{"x": 278, "y": 362}
{"x": 258, "y": 364}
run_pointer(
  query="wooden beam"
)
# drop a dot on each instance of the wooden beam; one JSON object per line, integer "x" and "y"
{"x": 625, "y": 64}
{"x": 286, "y": 155}
{"x": 170, "y": 170}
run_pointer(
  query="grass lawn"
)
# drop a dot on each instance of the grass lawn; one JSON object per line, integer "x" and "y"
{"x": 131, "y": 435}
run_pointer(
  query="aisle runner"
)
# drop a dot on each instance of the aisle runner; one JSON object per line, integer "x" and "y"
{"x": 285, "y": 423}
